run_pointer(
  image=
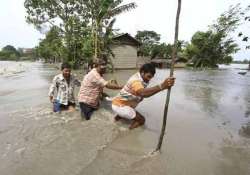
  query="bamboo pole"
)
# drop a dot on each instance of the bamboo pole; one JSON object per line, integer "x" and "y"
{"x": 174, "y": 55}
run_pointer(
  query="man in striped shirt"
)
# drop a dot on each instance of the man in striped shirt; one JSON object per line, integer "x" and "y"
{"x": 133, "y": 93}
{"x": 92, "y": 87}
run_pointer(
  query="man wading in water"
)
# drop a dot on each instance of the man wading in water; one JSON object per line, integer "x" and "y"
{"x": 133, "y": 93}
{"x": 92, "y": 87}
{"x": 61, "y": 92}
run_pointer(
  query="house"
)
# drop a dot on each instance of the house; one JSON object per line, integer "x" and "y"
{"x": 27, "y": 50}
{"x": 161, "y": 62}
{"x": 127, "y": 54}
{"x": 166, "y": 63}
{"x": 125, "y": 49}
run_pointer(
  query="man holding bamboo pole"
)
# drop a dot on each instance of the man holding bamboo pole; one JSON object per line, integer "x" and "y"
{"x": 133, "y": 93}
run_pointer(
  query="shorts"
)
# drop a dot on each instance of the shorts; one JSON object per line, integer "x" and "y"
{"x": 124, "y": 111}
{"x": 57, "y": 107}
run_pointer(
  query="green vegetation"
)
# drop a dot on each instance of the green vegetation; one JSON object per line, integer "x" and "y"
{"x": 151, "y": 46}
{"x": 11, "y": 53}
{"x": 215, "y": 46}
{"x": 80, "y": 29}
{"x": 51, "y": 48}
{"x": 208, "y": 48}
{"x": 148, "y": 39}
{"x": 246, "y": 19}
{"x": 242, "y": 62}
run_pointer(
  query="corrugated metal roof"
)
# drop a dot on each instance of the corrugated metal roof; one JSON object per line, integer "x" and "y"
{"x": 129, "y": 36}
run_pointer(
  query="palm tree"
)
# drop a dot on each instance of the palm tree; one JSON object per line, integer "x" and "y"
{"x": 106, "y": 42}
{"x": 102, "y": 13}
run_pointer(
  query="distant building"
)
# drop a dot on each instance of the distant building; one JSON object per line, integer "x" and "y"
{"x": 161, "y": 62}
{"x": 166, "y": 63}
{"x": 125, "y": 49}
{"x": 27, "y": 50}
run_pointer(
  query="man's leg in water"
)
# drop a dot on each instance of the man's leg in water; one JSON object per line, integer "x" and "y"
{"x": 117, "y": 118}
{"x": 125, "y": 112}
{"x": 86, "y": 111}
{"x": 71, "y": 108}
{"x": 56, "y": 106}
{"x": 130, "y": 113}
{"x": 137, "y": 121}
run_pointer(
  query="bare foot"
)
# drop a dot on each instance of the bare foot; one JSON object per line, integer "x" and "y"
{"x": 134, "y": 125}
{"x": 117, "y": 118}
{"x": 71, "y": 109}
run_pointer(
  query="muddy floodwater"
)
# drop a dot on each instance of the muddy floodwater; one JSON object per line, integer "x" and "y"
{"x": 208, "y": 127}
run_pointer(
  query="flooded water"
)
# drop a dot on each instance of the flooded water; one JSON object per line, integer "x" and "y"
{"x": 208, "y": 127}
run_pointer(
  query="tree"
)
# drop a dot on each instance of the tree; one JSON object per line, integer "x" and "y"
{"x": 207, "y": 49}
{"x": 55, "y": 13}
{"x": 9, "y": 52}
{"x": 69, "y": 16}
{"x": 161, "y": 51}
{"x": 149, "y": 40}
{"x": 102, "y": 15}
{"x": 215, "y": 46}
{"x": 148, "y": 37}
{"x": 51, "y": 48}
{"x": 245, "y": 19}
{"x": 9, "y": 48}
{"x": 165, "y": 50}
{"x": 82, "y": 23}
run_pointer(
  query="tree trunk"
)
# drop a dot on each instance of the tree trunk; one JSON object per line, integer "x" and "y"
{"x": 93, "y": 35}
{"x": 174, "y": 54}
{"x": 96, "y": 39}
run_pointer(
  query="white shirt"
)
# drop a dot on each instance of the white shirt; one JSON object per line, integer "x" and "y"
{"x": 61, "y": 90}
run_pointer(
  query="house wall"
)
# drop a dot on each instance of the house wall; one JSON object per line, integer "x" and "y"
{"x": 142, "y": 60}
{"x": 125, "y": 56}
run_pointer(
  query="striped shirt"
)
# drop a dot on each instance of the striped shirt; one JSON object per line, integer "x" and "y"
{"x": 128, "y": 95}
{"x": 62, "y": 91}
{"x": 91, "y": 88}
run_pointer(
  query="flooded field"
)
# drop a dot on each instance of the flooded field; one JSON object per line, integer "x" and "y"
{"x": 208, "y": 128}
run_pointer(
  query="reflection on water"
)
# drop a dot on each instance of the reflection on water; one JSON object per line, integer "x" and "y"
{"x": 245, "y": 130}
{"x": 26, "y": 88}
{"x": 208, "y": 128}
{"x": 221, "y": 94}
{"x": 234, "y": 158}
{"x": 9, "y": 68}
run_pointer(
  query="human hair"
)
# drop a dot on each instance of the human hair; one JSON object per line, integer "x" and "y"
{"x": 99, "y": 61}
{"x": 65, "y": 65}
{"x": 148, "y": 68}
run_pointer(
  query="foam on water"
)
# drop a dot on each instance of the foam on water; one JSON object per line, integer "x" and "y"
{"x": 8, "y": 68}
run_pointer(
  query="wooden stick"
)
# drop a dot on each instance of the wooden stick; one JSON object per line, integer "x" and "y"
{"x": 174, "y": 55}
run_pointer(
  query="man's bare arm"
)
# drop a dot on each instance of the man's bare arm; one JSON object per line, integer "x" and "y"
{"x": 148, "y": 92}
{"x": 113, "y": 86}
